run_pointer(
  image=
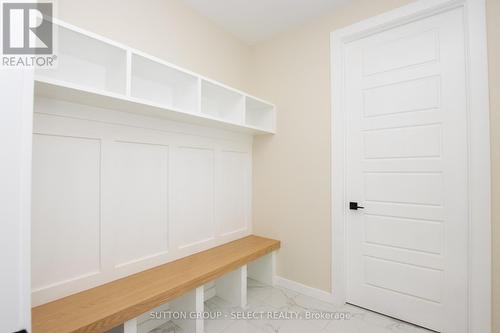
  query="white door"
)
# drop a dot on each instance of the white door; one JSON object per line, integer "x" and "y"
{"x": 407, "y": 166}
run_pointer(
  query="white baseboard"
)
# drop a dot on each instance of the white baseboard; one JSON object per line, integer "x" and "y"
{"x": 305, "y": 290}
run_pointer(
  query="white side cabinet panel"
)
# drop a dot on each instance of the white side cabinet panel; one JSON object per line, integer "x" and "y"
{"x": 116, "y": 193}
{"x": 16, "y": 104}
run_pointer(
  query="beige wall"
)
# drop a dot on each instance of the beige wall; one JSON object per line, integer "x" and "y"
{"x": 291, "y": 198}
{"x": 167, "y": 29}
{"x": 291, "y": 194}
{"x": 493, "y": 13}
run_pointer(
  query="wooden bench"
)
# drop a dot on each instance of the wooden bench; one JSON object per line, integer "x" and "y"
{"x": 101, "y": 308}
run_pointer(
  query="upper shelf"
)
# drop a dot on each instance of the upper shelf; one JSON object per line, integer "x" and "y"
{"x": 96, "y": 71}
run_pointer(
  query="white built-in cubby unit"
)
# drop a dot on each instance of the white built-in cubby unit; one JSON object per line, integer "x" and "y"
{"x": 136, "y": 163}
{"x": 99, "y": 72}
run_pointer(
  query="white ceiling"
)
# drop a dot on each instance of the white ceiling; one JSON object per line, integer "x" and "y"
{"x": 254, "y": 21}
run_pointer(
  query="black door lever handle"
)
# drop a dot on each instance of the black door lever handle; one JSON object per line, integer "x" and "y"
{"x": 354, "y": 206}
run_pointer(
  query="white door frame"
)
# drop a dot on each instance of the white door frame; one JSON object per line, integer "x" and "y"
{"x": 479, "y": 245}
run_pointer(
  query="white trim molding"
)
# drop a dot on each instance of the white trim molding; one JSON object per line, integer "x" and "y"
{"x": 479, "y": 173}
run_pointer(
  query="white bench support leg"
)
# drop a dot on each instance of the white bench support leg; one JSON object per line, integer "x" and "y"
{"x": 263, "y": 269}
{"x": 189, "y": 303}
{"x": 130, "y": 326}
{"x": 233, "y": 287}
{"x": 200, "y": 307}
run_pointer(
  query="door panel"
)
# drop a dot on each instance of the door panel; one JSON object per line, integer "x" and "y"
{"x": 393, "y": 54}
{"x": 407, "y": 165}
{"x": 406, "y": 279}
{"x": 410, "y": 234}
{"x": 413, "y": 142}
{"x": 397, "y": 187}
{"x": 413, "y": 95}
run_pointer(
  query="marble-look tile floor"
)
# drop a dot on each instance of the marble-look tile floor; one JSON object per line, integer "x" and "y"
{"x": 263, "y": 298}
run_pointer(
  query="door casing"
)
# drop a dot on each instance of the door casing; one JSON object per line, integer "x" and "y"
{"x": 479, "y": 164}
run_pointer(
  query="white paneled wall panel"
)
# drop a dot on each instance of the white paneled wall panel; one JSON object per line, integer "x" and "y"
{"x": 139, "y": 186}
{"x": 116, "y": 193}
{"x": 65, "y": 220}
{"x": 231, "y": 207}
{"x": 193, "y": 203}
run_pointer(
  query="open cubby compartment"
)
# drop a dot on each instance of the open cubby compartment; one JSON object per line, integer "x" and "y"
{"x": 222, "y": 103}
{"x": 183, "y": 314}
{"x": 160, "y": 84}
{"x": 259, "y": 114}
{"x": 223, "y": 296}
{"x": 229, "y": 292}
{"x": 88, "y": 62}
{"x": 231, "y": 288}
{"x": 263, "y": 269}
